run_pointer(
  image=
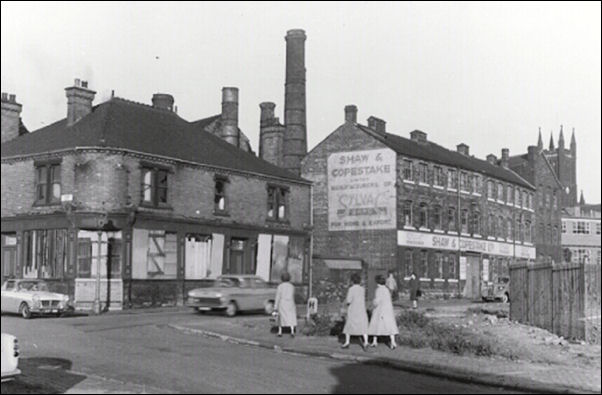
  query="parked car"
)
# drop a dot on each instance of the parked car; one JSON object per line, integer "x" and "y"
{"x": 10, "y": 357}
{"x": 498, "y": 290}
{"x": 234, "y": 293}
{"x": 29, "y": 297}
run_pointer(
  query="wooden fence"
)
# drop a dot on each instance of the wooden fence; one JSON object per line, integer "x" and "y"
{"x": 562, "y": 298}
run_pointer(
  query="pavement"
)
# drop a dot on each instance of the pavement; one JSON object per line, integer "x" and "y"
{"x": 142, "y": 352}
{"x": 517, "y": 375}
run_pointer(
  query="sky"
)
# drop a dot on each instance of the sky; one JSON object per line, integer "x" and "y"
{"x": 486, "y": 74}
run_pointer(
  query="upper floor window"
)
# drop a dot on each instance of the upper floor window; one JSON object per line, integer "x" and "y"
{"x": 423, "y": 216}
{"x": 519, "y": 198}
{"x": 492, "y": 226}
{"x": 563, "y": 227}
{"x": 439, "y": 181}
{"x": 500, "y": 191}
{"x": 464, "y": 185}
{"x": 407, "y": 213}
{"x": 490, "y": 189}
{"x": 423, "y": 173}
{"x": 154, "y": 186}
{"x": 510, "y": 194}
{"x": 452, "y": 180}
{"x": 476, "y": 222}
{"x": 277, "y": 202}
{"x": 464, "y": 221}
{"x": 598, "y": 226}
{"x": 503, "y": 232}
{"x": 451, "y": 219}
{"x": 48, "y": 183}
{"x": 555, "y": 199}
{"x": 528, "y": 231}
{"x": 220, "y": 199}
{"x": 476, "y": 183}
{"x": 436, "y": 217}
{"x": 408, "y": 170}
{"x": 581, "y": 228}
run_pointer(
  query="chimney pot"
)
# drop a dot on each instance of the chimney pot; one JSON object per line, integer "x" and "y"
{"x": 230, "y": 116}
{"x": 377, "y": 124}
{"x": 267, "y": 113}
{"x": 351, "y": 113}
{"x": 418, "y": 135}
{"x": 464, "y": 149}
{"x": 163, "y": 101}
{"x": 79, "y": 101}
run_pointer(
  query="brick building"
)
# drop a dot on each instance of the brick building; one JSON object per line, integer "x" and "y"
{"x": 581, "y": 228}
{"x": 152, "y": 201}
{"x": 400, "y": 204}
{"x": 554, "y": 174}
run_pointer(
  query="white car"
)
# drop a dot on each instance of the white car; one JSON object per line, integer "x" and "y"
{"x": 10, "y": 357}
{"x": 28, "y": 297}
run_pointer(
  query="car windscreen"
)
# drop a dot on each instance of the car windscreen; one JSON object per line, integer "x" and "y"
{"x": 226, "y": 283}
{"x": 33, "y": 286}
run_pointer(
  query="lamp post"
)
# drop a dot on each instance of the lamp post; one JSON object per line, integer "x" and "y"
{"x": 98, "y": 262}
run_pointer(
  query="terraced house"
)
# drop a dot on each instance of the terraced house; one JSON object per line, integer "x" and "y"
{"x": 387, "y": 202}
{"x": 152, "y": 202}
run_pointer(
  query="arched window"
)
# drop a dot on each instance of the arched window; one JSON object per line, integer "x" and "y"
{"x": 423, "y": 216}
{"x": 407, "y": 213}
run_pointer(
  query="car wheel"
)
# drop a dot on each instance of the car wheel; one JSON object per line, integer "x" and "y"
{"x": 232, "y": 309}
{"x": 505, "y": 298}
{"x": 269, "y": 307}
{"x": 25, "y": 311}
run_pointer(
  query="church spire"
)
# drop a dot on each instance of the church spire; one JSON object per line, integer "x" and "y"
{"x": 582, "y": 199}
{"x": 573, "y": 142}
{"x": 561, "y": 139}
{"x": 539, "y": 141}
{"x": 551, "y": 148}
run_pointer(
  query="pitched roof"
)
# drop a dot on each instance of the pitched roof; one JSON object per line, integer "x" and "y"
{"x": 123, "y": 124}
{"x": 435, "y": 153}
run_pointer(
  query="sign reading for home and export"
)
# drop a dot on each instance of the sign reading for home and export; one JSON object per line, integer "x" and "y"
{"x": 361, "y": 190}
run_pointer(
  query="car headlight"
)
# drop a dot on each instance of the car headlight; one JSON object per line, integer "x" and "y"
{"x": 223, "y": 299}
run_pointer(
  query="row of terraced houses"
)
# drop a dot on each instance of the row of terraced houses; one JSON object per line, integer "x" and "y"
{"x": 157, "y": 204}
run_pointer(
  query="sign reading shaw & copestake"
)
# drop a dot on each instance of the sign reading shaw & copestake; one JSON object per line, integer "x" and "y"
{"x": 361, "y": 190}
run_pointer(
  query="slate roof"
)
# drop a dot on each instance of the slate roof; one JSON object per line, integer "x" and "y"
{"x": 123, "y": 124}
{"x": 432, "y": 152}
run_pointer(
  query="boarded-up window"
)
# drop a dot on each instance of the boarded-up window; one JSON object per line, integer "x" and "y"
{"x": 154, "y": 255}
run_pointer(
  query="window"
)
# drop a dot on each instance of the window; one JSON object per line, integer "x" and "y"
{"x": 476, "y": 222}
{"x": 436, "y": 265}
{"x": 581, "y": 228}
{"x": 503, "y": 230}
{"x": 509, "y": 228}
{"x": 500, "y": 191}
{"x": 531, "y": 202}
{"x": 409, "y": 265}
{"x": 451, "y": 219}
{"x": 464, "y": 186}
{"x": 154, "y": 186}
{"x": 555, "y": 199}
{"x": 528, "y": 231}
{"x": 563, "y": 227}
{"x": 423, "y": 173}
{"x": 451, "y": 267}
{"x": 220, "y": 195}
{"x": 510, "y": 193}
{"x": 541, "y": 196}
{"x": 408, "y": 170}
{"x": 439, "y": 181}
{"x": 48, "y": 183}
{"x": 517, "y": 197}
{"x": 452, "y": 180}
{"x": 423, "y": 269}
{"x": 407, "y": 213}
{"x": 492, "y": 225}
{"x": 598, "y": 228}
{"x": 542, "y": 233}
{"x": 89, "y": 262}
{"x": 548, "y": 197}
{"x": 490, "y": 189}
{"x": 45, "y": 253}
{"x": 549, "y": 234}
{"x": 277, "y": 202}
{"x": 423, "y": 216}
{"x": 555, "y": 235}
{"x": 436, "y": 224}
{"x": 157, "y": 257}
{"x": 464, "y": 221}
{"x": 477, "y": 184}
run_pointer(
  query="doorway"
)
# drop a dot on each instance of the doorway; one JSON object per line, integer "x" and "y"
{"x": 9, "y": 256}
{"x": 472, "y": 288}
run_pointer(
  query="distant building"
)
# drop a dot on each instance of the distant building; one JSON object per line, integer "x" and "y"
{"x": 153, "y": 202}
{"x": 554, "y": 173}
{"x": 411, "y": 205}
{"x": 581, "y": 228}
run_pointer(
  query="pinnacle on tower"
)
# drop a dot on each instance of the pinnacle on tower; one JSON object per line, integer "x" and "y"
{"x": 551, "y": 148}
{"x": 561, "y": 139}
{"x": 582, "y": 199}
{"x": 539, "y": 141}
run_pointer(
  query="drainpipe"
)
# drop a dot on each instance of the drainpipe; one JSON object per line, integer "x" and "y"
{"x": 311, "y": 238}
{"x": 98, "y": 260}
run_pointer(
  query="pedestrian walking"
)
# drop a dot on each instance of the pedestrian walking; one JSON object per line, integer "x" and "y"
{"x": 414, "y": 285}
{"x": 285, "y": 305}
{"x": 356, "y": 323}
{"x": 383, "y": 322}
{"x": 392, "y": 285}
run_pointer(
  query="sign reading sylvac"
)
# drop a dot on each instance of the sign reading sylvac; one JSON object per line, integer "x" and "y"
{"x": 361, "y": 190}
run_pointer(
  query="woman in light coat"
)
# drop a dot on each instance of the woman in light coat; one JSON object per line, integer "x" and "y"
{"x": 285, "y": 305}
{"x": 383, "y": 318}
{"x": 356, "y": 323}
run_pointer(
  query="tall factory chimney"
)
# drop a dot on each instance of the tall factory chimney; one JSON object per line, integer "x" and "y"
{"x": 295, "y": 137}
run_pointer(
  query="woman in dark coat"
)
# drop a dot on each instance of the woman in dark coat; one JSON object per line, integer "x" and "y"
{"x": 414, "y": 283}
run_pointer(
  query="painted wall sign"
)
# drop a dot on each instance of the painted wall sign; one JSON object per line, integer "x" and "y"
{"x": 361, "y": 190}
{"x": 464, "y": 244}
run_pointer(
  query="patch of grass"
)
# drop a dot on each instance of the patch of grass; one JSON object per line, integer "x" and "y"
{"x": 319, "y": 325}
{"x": 418, "y": 331}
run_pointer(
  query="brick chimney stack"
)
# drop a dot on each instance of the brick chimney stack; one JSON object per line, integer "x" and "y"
{"x": 163, "y": 101}
{"x": 230, "y": 116}
{"x": 491, "y": 158}
{"x": 351, "y": 113}
{"x": 377, "y": 124}
{"x": 271, "y": 135}
{"x": 462, "y": 148}
{"x": 79, "y": 101}
{"x": 11, "y": 117}
{"x": 505, "y": 157}
{"x": 295, "y": 138}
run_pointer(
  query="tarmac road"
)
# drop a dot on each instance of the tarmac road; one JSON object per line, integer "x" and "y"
{"x": 139, "y": 353}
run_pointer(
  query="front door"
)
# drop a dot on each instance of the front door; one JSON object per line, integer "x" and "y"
{"x": 472, "y": 289}
{"x": 9, "y": 256}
